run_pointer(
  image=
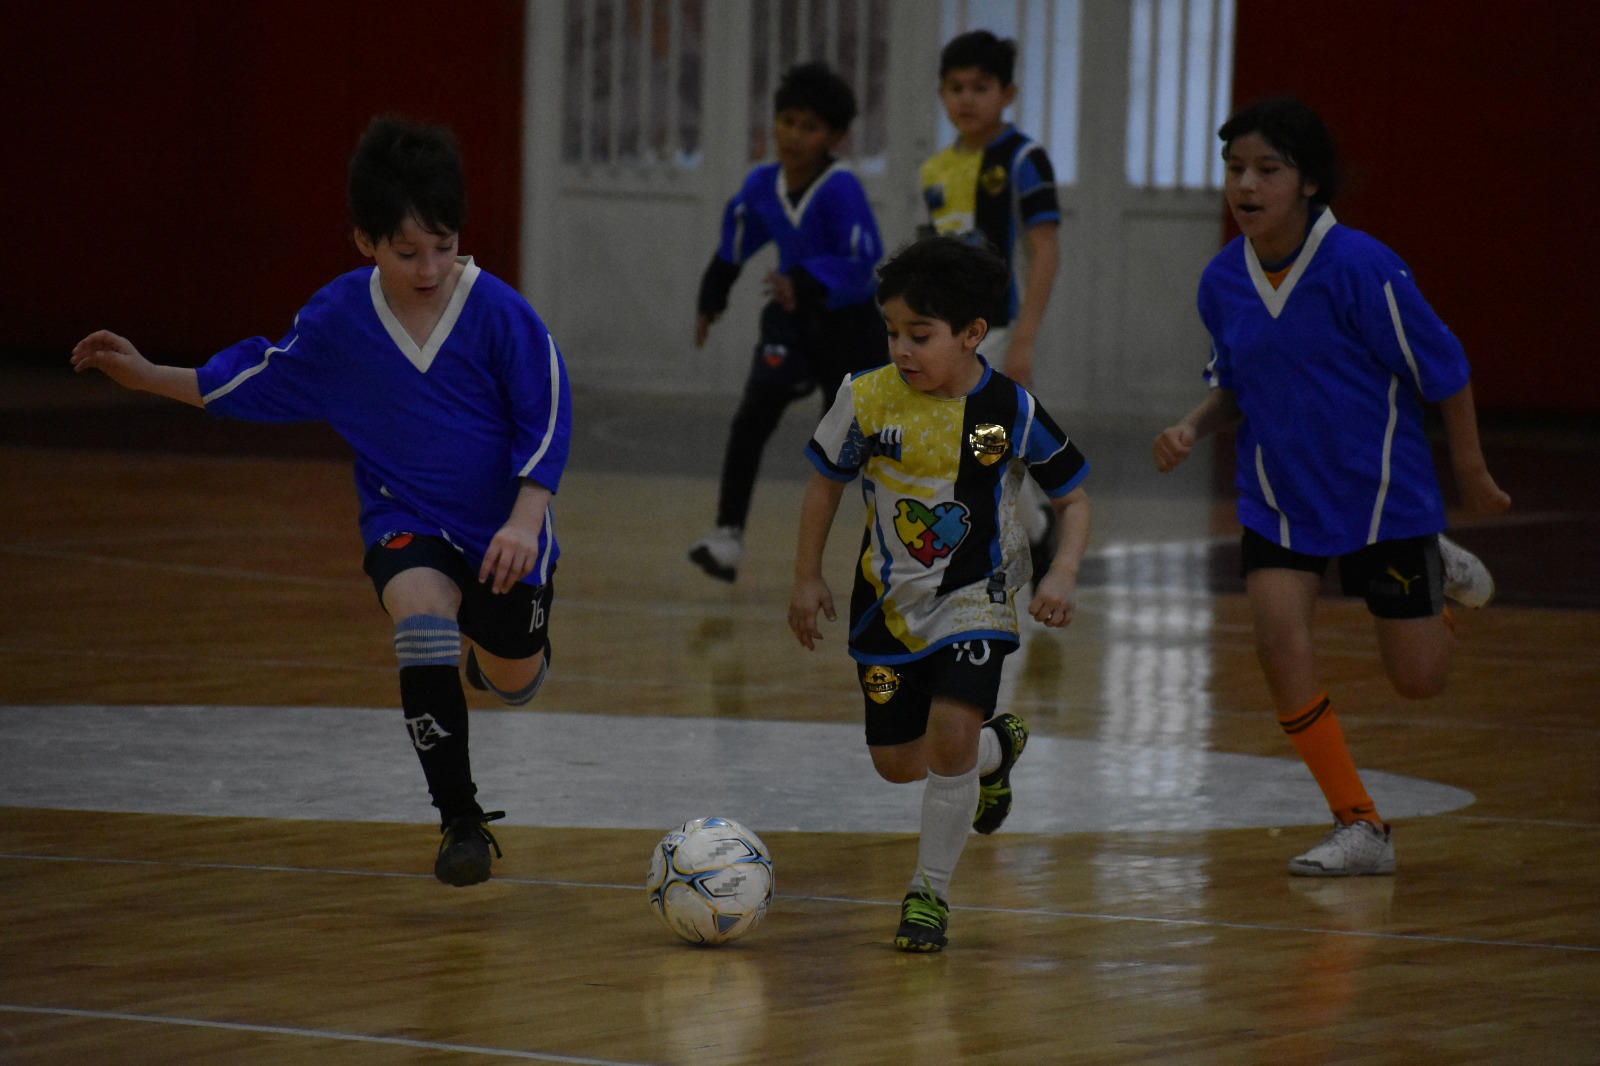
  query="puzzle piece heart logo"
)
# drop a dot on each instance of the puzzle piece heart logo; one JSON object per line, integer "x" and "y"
{"x": 930, "y": 534}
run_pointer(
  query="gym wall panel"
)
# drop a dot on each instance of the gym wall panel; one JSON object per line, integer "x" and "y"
{"x": 1466, "y": 132}
{"x": 176, "y": 169}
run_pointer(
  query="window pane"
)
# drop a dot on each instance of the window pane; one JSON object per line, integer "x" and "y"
{"x": 632, "y": 91}
{"x": 1180, "y": 64}
{"x": 1046, "y": 74}
{"x": 849, "y": 35}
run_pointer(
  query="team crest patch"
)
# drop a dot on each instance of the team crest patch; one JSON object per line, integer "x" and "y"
{"x": 993, "y": 180}
{"x": 988, "y": 443}
{"x": 930, "y": 535}
{"x": 880, "y": 683}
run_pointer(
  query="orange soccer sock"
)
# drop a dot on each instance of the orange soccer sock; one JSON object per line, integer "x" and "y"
{"x": 1315, "y": 733}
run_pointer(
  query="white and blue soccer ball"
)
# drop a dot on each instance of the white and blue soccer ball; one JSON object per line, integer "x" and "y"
{"x": 710, "y": 880}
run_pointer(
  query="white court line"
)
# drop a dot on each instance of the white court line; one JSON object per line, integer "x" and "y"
{"x": 1026, "y": 912}
{"x": 312, "y": 1034}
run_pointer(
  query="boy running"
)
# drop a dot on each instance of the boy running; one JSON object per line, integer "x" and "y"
{"x": 453, "y": 397}
{"x": 821, "y": 322}
{"x": 1323, "y": 353}
{"x": 941, "y": 442}
{"x": 995, "y": 185}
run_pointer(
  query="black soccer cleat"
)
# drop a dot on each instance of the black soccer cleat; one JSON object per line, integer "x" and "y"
{"x": 464, "y": 849}
{"x": 924, "y": 918}
{"x": 994, "y": 789}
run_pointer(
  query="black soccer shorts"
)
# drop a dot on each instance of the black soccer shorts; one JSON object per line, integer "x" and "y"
{"x": 898, "y": 696}
{"x": 1401, "y": 578}
{"x": 510, "y": 625}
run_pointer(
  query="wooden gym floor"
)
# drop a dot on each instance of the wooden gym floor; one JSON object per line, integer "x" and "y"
{"x": 215, "y": 845}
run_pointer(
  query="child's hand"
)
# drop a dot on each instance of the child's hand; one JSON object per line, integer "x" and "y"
{"x": 113, "y": 356}
{"x": 1173, "y": 446}
{"x": 781, "y": 289}
{"x": 702, "y": 326}
{"x": 1053, "y": 602}
{"x": 510, "y": 558}
{"x": 1480, "y": 494}
{"x": 810, "y": 595}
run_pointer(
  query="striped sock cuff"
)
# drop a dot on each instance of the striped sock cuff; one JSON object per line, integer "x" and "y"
{"x": 1303, "y": 718}
{"x": 427, "y": 640}
{"x": 525, "y": 694}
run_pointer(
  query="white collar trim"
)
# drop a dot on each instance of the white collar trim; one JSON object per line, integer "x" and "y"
{"x": 795, "y": 211}
{"x": 1275, "y": 299}
{"x": 422, "y": 357}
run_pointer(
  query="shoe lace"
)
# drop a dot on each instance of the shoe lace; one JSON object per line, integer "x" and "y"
{"x": 1354, "y": 834}
{"x": 470, "y": 824}
{"x": 989, "y": 796}
{"x": 920, "y": 909}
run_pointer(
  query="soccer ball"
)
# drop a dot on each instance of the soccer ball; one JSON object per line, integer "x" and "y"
{"x": 710, "y": 880}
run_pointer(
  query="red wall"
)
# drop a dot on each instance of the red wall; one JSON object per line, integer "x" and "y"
{"x": 1467, "y": 129}
{"x": 175, "y": 170}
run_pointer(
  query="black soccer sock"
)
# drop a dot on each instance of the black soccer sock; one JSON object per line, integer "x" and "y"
{"x": 436, "y": 711}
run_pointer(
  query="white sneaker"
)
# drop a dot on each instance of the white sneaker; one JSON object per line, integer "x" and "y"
{"x": 718, "y": 552}
{"x": 1351, "y": 849}
{"x": 1466, "y": 579}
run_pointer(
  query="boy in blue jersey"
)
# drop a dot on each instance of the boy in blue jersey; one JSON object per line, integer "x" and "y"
{"x": 942, "y": 443}
{"x": 453, "y": 397}
{"x": 995, "y": 185}
{"x": 821, "y": 322}
{"x": 1323, "y": 353}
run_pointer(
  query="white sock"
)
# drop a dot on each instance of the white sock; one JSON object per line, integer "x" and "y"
{"x": 947, "y": 806}
{"x": 988, "y": 752}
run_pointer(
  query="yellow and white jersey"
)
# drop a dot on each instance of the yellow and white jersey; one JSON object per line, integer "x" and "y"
{"x": 943, "y": 553}
{"x": 990, "y": 197}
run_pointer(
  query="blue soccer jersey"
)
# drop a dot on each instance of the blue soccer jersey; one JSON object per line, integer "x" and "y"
{"x": 442, "y": 433}
{"x": 943, "y": 554}
{"x": 830, "y": 232}
{"x": 1330, "y": 370}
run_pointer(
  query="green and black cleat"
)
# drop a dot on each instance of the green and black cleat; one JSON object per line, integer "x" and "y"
{"x": 994, "y": 789}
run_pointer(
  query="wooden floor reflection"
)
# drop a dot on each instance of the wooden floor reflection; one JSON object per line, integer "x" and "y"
{"x": 148, "y": 578}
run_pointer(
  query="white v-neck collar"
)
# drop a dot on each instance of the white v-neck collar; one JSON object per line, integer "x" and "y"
{"x": 422, "y": 357}
{"x": 795, "y": 211}
{"x": 1276, "y": 298}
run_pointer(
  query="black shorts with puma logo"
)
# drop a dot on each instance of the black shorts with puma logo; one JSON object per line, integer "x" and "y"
{"x": 1398, "y": 578}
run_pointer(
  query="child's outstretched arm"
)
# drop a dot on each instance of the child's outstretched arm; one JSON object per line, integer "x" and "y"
{"x": 1479, "y": 493}
{"x": 1218, "y": 410}
{"x": 811, "y": 593}
{"x": 514, "y": 551}
{"x": 119, "y": 360}
{"x": 1055, "y": 599}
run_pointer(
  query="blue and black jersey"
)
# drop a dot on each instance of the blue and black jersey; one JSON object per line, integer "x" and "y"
{"x": 943, "y": 553}
{"x": 991, "y": 197}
